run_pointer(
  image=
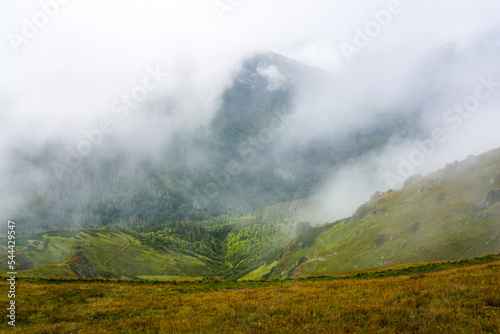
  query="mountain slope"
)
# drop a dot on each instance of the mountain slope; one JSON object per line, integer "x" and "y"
{"x": 229, "y": 246}
{"x": 451, "y": 214}
{"x": 108, "y": 253}
{"x": 237, "y": 162}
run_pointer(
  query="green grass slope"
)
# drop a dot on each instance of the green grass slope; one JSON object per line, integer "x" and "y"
{"x": 111, "y": 253}
{"x": 230, "y": 246}
{"x": 450, "y": 214}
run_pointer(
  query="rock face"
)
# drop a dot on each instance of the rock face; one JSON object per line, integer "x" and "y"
{"x": 81, "y": 266}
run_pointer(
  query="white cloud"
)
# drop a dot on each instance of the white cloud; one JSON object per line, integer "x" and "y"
{"x": 68, "y": 75}
{"x": 275, "y": 80}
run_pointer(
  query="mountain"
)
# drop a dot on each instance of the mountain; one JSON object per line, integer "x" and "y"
{"x": 451, "y": 214}
{"x": 235, "y": 163}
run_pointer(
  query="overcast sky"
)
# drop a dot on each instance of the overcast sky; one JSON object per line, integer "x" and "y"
{"x": 64, "y": 66}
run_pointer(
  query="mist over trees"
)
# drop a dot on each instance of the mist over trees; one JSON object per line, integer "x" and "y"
{"x": 235, "y": 164}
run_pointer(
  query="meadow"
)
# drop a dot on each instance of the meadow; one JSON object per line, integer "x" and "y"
{"x": 450, "y": 297}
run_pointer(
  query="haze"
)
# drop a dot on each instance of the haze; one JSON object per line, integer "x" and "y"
{"x": 426, "y": 57}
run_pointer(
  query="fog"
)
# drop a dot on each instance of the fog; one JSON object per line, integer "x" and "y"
{"x": 68, "y": 67}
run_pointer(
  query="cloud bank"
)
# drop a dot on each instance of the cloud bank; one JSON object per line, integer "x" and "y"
{"x": 67, "y": 66}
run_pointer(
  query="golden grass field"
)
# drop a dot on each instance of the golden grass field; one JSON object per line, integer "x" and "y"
{"x": 458, "y": 300}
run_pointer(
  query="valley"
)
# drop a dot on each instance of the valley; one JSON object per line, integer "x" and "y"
{"x": 450, "y": 214}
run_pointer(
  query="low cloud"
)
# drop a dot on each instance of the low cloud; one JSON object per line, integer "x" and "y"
{"x": 66, "y": 77}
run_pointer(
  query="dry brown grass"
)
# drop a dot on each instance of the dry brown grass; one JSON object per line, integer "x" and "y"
{"x": 461, "y": 300}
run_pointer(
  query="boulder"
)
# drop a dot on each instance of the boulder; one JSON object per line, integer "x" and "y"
{"x": 440, "y": 197}
{"x": 492, "y": 197}
{"x": 482, "y": 216}
{"x": 478, "y": 207}
{"x": 415, "y": 227}
{"x": 380, "y": 239}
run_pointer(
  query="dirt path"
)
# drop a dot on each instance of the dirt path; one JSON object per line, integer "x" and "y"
{"x": 119, "y": 252}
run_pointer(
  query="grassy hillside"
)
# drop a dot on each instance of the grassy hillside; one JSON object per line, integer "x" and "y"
{"x": 451, "y": 214}
{"x": 111, "y": 253}
{"x": 229, "y": 246}
{"x": 465, "y": 298}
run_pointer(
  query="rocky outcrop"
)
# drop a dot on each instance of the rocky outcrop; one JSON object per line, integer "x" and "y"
{"x": 375, "y": 196}
{"x": 81, "y": 266}
{"x": 492, "y": 197}
{"x": 412, "y": 179}
{"x": 361, "y": 211}
{"x": 380, "y": 239}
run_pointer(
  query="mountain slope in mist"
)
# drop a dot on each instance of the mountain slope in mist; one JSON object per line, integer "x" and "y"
{"x": 451, "y": 214}
{"x": 242, "y": 160}
{"x": 230, "y": 246}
